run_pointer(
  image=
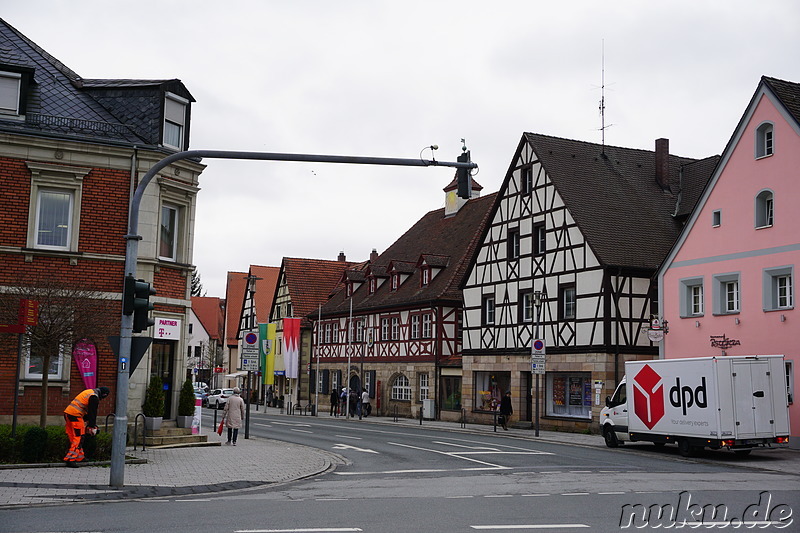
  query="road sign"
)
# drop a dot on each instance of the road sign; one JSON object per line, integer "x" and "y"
{"x": 250, "y": 344}
{"x": 538, "y": 357}
{"x": 250, "y": 363}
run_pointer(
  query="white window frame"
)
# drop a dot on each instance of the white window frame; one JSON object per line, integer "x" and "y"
{"x": 765, "y": 140}
{"x": 385, "y": 329}
{"x": 401, "y": 388}
{"x": 424, "y": 386}
{"x": 62, "y": 362}
{"x": 175, "y": 117}
{"x": 427, "y": 325}
{"x": 692, "y": 297}
{"x": 569, "y": 302}
{"x": 716, "y": 218}
{"x": 415, "y": 326}
{"x": 778, "y": 288}
{"x": 540, "y": 239}
{"x": 395, "y": 328}
{"x": 526, "y": 306}
{"x": 426, "y": 275}
{"x": 489, "y": 311}
{"x": 57, "y": 178}
{"x": 764, "y": 209}
{"x": 526, "y": 180}
{"x": 513, "y": 244}
{"x": 10, "y": 87}
{"x": 360, "y": 330}
{"x": 725, "y": 286}
{"x": 176, "y": 210}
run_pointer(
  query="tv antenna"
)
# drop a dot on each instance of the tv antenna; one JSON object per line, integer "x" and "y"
{"x": 603, "y": 97}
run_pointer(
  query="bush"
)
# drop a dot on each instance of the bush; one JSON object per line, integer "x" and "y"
{"x": 154, "y": 398}
{"x": 34, "y": 445}
{"x": 186, "y": 399}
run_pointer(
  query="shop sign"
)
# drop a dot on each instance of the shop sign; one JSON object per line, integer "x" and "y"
{"x": 168, "y": 328}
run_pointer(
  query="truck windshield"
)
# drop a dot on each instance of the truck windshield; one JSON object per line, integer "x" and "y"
{"x": 619, "y": 396}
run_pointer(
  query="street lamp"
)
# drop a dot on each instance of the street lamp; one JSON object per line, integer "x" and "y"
{"x": 537, "y": 301}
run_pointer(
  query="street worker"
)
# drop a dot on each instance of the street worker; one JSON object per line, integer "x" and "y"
{"x": 80, "y": 419}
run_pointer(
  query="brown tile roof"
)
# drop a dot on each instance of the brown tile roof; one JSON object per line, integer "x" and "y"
{"x": 234, "y": 300}
{"x": 454, "y": 237}
{"x": 265, "y": 289}
{"x": 311, "y": 282}
{"x": 211, "y": 313}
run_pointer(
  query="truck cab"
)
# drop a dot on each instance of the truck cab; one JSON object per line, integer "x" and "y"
{"x": 614, "y": 417}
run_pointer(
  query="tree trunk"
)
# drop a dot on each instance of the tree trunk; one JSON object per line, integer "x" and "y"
{"x": 45, "y": 381}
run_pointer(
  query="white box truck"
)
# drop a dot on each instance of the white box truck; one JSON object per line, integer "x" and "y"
{"x": 737, "y": 402}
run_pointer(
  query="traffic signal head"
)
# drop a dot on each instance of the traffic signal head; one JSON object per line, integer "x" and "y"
{"x": 464, "y": 178}
{"x": 136, "y": 302}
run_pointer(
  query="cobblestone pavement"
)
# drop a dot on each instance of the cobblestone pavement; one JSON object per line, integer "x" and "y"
{"x": 258, "y": 462}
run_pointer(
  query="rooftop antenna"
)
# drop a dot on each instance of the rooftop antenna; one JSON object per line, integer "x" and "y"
{"x": 603, "y": 98}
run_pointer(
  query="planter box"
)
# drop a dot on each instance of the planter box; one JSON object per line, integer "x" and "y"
{"x": 153, "y": 423}
{"x": 185, "y": 421}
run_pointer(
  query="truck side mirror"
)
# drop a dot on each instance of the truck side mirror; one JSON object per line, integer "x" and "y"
{"x": 608, "y": 401}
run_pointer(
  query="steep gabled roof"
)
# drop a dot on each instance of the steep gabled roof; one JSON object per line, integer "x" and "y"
{"x": 434, "y": 235}
{"x": 210, "y": 313}
{"x": 265, "y": 289}
{"x": 787, "y": 92}
{"x": 612, "y": 194}
{"x": 311, "y": 281}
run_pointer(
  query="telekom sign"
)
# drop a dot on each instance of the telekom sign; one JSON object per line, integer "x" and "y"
{"x": 167, "y": 328}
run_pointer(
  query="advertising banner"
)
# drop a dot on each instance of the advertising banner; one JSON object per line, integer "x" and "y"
{"x": 85, "y": 356}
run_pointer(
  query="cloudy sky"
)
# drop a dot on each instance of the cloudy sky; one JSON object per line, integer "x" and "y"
{"x": 388, "y": 79}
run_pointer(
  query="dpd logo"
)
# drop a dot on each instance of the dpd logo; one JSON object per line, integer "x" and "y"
{"x": 648, "y": 396}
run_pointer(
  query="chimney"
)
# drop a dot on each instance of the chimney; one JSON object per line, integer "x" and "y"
{"x": 341, "y": 257}
{"x": 373, "y": 256}
{"x": 662, "y": 163}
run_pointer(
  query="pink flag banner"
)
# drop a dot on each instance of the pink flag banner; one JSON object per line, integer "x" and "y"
{"x": 291, "y": 346}
{"x": 85, "y": 356}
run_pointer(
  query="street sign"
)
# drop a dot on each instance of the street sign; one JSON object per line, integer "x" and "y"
{"x": 250, "y": 363}
{"x": 250, "y": 344}
{"x": 538, "y": 357}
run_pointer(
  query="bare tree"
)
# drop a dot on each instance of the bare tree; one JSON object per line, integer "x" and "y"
{"x": 68, "y": 313}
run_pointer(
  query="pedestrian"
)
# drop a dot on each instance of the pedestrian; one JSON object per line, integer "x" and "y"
{"x": 334, "y": 403}
{"x": 270, "y": 394}
{"x": 80, "y": 419}
{"x": 366, "y": 408}
{"x": 353, "y": 402}
{"x": 343, "y": 402}
{"x": 506, "y": 410}
{"x": 234, "y": 414}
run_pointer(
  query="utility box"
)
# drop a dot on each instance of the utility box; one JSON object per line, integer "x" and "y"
{"x": 429, "y": 409}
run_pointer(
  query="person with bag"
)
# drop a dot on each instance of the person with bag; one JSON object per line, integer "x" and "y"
{"x": 505, "y": 410}
{"x": 234, "y": 415}
{"x": 80, "y": 419}
{"x": 334, "y": 403}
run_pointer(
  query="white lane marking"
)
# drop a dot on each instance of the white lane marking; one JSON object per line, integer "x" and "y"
{"x": 499, "y": 496}
{"x": 574, "y": 493}
{"x": 194, "y": 500}
{"x": 301, "y": 430}
{"x": 294, "y": 424}
{"x": 390, "y": 472}
{"x": 262, "y": 425}
{"x": 533, "y": 495}
{"x": 464, "y": 446}
{"x": 348, "y": 447}
{"x": 300, "y": 530}
{"x": 531, "y": 526}
{"x": 457, "y": 497}
{"x": 611, "y": 492}
{"x": 451, "y": 454}
{"x": 348, "y": 437}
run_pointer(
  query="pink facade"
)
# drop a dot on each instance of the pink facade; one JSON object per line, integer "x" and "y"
{"x": 727, "y": 288}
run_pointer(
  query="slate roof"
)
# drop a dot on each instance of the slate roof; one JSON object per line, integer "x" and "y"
{"x": 611, "y": 192}
{"x": 453, "y": 238}
{"x": 788, "y": 92}
{"x": 312, "y": 281}
{"x": 61, "y": 103}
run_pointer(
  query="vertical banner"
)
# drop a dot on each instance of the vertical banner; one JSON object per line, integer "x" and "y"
{"x": 268, "y": 333}
{"x": 291, "y": 347}
{"x": 85, "y": 356}
{"x": 198, "y": 416}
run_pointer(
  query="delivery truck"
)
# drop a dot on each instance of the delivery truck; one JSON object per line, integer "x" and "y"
{"x": 737, "y": 402}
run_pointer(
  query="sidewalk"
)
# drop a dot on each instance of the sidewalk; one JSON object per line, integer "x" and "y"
{"x": 257, "y": 462}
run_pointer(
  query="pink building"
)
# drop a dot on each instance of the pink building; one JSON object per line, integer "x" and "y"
{"x": 727, "y": 286}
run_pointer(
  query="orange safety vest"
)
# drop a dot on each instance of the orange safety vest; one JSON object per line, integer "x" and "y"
{"x": 80, "y": 405}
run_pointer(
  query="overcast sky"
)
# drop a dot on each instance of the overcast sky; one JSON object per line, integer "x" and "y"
{"x": 387, "y": 79}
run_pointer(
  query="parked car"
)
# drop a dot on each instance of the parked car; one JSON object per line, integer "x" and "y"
{"x": 218, "y": 398}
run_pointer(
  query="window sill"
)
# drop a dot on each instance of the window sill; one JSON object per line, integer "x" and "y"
{"x": 764, "y": 227}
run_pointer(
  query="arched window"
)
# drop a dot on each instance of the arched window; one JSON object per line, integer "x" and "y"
{"x": 764, "y": 140}
{"x": 401, "y": 390}
{"x": 764, "y": 209}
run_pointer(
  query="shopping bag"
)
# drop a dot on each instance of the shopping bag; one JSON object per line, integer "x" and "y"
{"x": 501, "y": 420}
{"x": 221, "y": 425}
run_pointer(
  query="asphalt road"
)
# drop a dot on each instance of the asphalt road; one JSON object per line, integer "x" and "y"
{"x": 398, "y": 479}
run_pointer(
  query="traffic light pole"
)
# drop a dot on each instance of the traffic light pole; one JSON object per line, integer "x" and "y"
{"x": 117, "y": 478}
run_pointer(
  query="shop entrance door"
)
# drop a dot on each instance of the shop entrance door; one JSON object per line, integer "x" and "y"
{"x": 163, "y": 366}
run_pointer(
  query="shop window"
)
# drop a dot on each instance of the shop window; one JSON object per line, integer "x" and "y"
{"x": 569, "y": 395}
{"x": 490, "y": 388}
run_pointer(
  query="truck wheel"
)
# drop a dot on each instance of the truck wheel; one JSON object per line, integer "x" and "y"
{"x": 686, "y": 449}
{"x": 610, "y": 437}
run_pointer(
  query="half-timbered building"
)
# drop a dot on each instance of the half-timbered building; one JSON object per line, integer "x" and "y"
{"x": 394, "y": 328}
{"x": 579, "y": 228}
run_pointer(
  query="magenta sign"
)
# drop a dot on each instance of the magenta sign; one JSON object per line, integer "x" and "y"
{"x": 85, "y": 356}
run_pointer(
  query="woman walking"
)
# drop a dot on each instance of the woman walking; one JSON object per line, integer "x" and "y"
{"x": 234, "y": 414}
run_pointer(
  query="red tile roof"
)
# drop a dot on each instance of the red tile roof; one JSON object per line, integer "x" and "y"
{"x": 234, "y": 300}
{"x": 210, "y": 312}
{"x": 311, "y": 282}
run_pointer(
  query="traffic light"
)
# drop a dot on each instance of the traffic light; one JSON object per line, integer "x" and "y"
{"x": 136, "y": 302}
{"x": 464, "y": 178}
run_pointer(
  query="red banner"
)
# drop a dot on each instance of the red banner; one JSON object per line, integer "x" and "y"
{"x": 85, "y": 356}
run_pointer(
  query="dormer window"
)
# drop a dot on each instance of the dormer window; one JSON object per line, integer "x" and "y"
{"x": 395, "y": 281}
{"x": 349, "y": 288}
{"x": 373, "y": 284}
{"x": 764, "y": 140}
{"x": 174, "y": 121}
{"x": 10, "y": 91}
{"x": 426, "y": 275}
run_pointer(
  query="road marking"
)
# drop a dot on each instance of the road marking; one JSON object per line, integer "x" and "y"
{"x": 294, "y": 424}
{"x": 533, "y": 495}
{"x": 463, "y": 446}
{"x": 300, "y": 530}
{"x": 348, "y": 447}
{"x": 457, "y": 497}
{"x": 301, "y": 430}
{"x": 612, "y": 492}
{"x": 574, "y": 493}
{"x": 421, "y": 471}
{"x": 450, "y": 454}
{"x": 194, "y": 500}
{"x": 262, "y": 425}
{"x": 348, "y": 437}
{"x": 531, "y": 526}
{"x": 499, "y": 496}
